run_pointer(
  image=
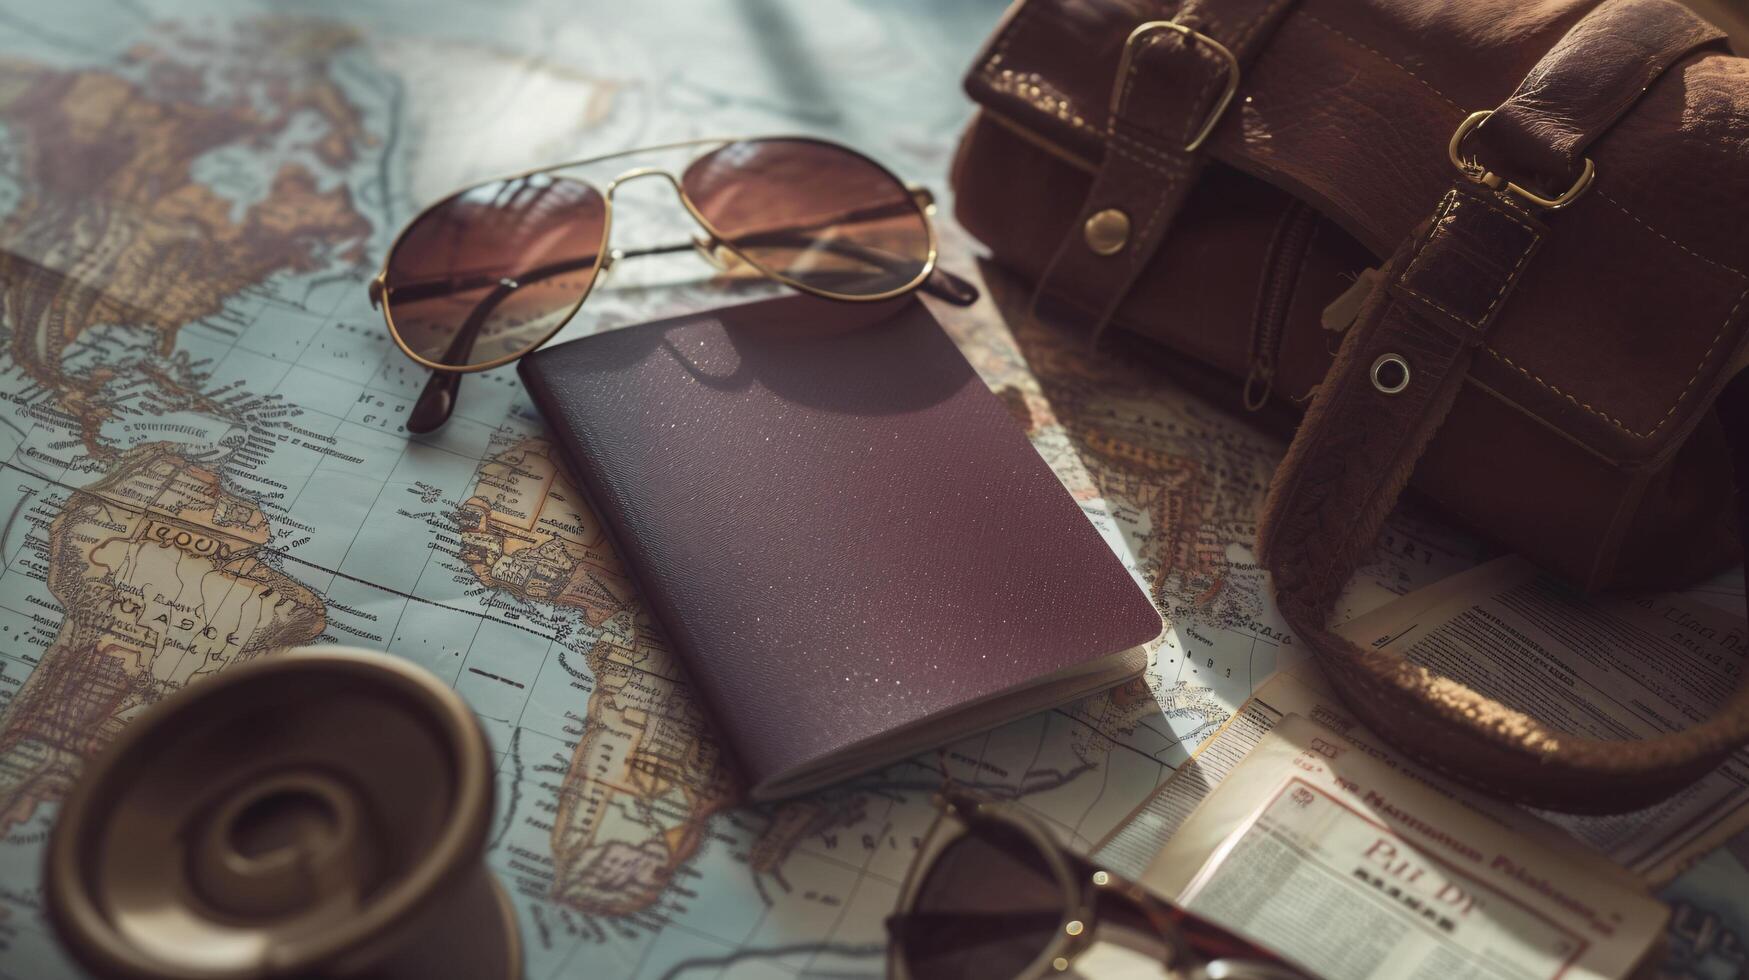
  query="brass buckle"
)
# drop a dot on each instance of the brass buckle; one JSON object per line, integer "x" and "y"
{"x": 1473, "y": 169}
{"x": 1190, "y": 34}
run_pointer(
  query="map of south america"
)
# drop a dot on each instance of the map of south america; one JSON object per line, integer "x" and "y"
{"x": 159, "y": 570}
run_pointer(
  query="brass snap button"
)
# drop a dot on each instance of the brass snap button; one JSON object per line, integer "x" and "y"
{"x": 1107, "y": 232}
{"x": 1390, "y": 373}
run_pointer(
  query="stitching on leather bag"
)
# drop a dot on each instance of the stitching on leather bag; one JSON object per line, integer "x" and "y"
{"x": 1703, "y": 359}
{"x": 1447, "y": 100}
{"x": 1130, "y": 80}
{"x": 1511, "y": 277}
{"x": 1001, "y": 53}
{"x": 1161, "y": 168}
{"x": 1135, "y": 143}
{"x": 1700, "y": 366}
{"x": 1612, "y": 420}
{"x": 1160, "y": 199}
{"x": 1193, "y": 118}
{"x": 1446, "y": 203}
{"x": 1451, "y": 202}
{"x": 1400, "y": 67}
{"x": 1643, "y": 224}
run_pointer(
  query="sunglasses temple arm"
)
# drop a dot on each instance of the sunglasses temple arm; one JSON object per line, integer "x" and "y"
{"x": 949, "y": 288}
{"x": 437, "y": 401}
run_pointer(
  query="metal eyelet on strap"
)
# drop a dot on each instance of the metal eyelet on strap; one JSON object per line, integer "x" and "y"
{"x": 1390, "y": 374}
{"x": 1473, "y": 169}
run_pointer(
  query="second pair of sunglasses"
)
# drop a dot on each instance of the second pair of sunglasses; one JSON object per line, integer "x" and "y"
{"x": 493, "y": 271}
{"x": 993, "y": 896}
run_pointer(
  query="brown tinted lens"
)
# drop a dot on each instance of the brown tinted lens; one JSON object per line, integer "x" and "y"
{"x": 812, "y": 212}
{"x": 492, "y": 271}
{"x": 989, "y": 907}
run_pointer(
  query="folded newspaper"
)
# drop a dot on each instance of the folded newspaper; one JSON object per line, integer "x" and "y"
{"x": 1606, "y": 666}
{"x": 1341, "y": 862}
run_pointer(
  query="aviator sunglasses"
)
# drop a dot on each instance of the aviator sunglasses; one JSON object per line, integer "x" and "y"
{"x": 494, "y": 270}
{"x": 993, "y": 896}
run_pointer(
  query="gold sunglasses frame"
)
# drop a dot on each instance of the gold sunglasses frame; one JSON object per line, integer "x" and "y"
{"x": 919, "y": 197}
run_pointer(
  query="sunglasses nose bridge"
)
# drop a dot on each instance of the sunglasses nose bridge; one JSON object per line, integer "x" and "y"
{"x": 638, "y": 173}
{"x": 642, "y": 172}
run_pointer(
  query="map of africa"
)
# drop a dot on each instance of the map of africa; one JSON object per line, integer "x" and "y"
{"x": 204, "y": 460}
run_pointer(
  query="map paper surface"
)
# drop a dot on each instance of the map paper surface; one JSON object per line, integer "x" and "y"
{"x": 203, "y": 459}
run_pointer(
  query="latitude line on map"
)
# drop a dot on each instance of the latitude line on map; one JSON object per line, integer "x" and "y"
{"x": 443, "y": 605}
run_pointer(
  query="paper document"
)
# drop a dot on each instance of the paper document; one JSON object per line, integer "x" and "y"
{"x": 1132, "y": 846}
{"x": 1605, "y": 666}
{"x": 1340, "y": 862}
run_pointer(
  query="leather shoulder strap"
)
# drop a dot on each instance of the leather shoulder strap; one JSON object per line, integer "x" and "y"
{"x": 1176, "y": 80}
{"x": 1394, "y": 381}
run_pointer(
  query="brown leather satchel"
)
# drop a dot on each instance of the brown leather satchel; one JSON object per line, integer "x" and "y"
{"x": 1554, "y": 195}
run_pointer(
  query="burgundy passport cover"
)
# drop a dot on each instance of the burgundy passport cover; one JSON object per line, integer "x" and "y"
{"x": 838, "y": 526}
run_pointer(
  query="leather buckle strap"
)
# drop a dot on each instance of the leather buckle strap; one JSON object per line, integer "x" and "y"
{"x": 1472, "y": 168}
{"x": 1464, "y": 267}
{"x": 1587, "y": 82}
{"x": 1120, "y": 87}
{"x": 1355, "y": 449}
{"x": 1173, "y": 84}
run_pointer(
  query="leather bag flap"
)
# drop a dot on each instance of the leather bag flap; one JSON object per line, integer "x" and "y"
{"x": 1624, "y": 332}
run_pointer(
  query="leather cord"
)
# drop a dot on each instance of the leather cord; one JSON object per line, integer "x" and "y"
{"x": 1395, "y": 378}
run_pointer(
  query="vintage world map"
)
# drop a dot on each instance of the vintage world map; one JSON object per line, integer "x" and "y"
{"x": 204, "y": 460}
